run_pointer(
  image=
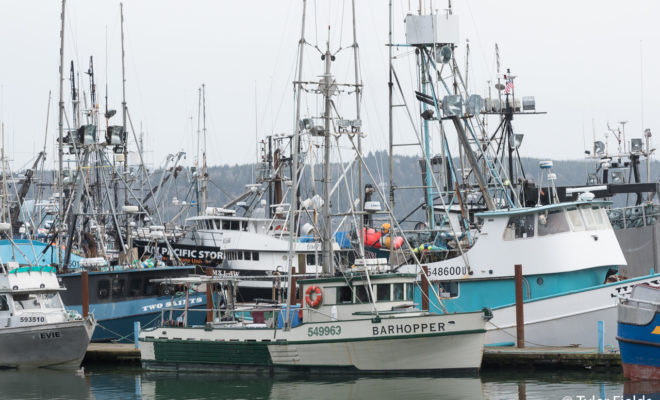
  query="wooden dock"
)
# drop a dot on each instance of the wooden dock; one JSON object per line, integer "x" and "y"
{"x": 495, "y": 358}
{"x": 114, "y": 353}
{"x": 549, "y": 357}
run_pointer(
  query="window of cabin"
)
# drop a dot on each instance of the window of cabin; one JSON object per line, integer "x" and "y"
{"x": 240, "y": 255}
{"x": 575, "y": 218}
{"x": 244, "y": 225}
{"x": 519, "y": 227}
{"x": 235, "y": 225}
{"x": 595, "y": 218}
{"x": 311, "y": 260}
{"x": 552, "y": 222}
{"x": 149, "y": 288}
{"x": 118, "y": 288}
{"x": 247, "y": 255}
{"x": 52, "y": 300}
{"x": 383, "y": 292}
{"x": 103, "y": 289}
{"x": 410, "y": 289}
{"x": 225, "y": 225}
{"x": 255, "y": 255}
{"x": 344, "y": 295}
{"x": 361, "y": 294}
{"x": 397, "y": 290}
{"x": 4, "y": 306}
{"x": 26, "y": 302}
{"x": 448, "y": 289}
{"x": 601, "y": 218}
{"x": 135, "y": 287}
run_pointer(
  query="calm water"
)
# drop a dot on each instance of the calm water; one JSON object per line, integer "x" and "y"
{"x": 132, "y": 383}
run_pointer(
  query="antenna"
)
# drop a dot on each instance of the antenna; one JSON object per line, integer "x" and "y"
{"x": 623, "y": 134}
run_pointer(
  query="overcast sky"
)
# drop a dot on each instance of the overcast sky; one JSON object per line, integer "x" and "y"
{"x": 582, "y": 60}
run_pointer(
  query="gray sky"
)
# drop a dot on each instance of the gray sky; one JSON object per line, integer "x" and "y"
{"x": 581, "y": 60}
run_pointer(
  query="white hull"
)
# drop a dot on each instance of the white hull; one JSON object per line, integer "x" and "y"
{"x": 427, "y": 343}
{"x": 567, "y": 319}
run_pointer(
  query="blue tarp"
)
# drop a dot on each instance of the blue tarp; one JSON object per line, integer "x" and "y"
{"x": 30, "y": 252}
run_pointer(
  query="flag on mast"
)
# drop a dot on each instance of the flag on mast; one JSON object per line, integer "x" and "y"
{"x": 509, "y": 86}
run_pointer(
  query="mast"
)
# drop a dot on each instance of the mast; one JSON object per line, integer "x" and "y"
{"x": 60, "y": 150}
{"x": 358, "y": 95}
{"x": 294, "y": 174}
{"x": 4, "y": 178}
{"x": 327, "y": 219}
{"x": 390, "y": 86}
{"x": 204, "y": 174}
{"x": 123, "y": 106}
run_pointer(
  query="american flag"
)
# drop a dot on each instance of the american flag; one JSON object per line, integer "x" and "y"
{"x": 509, "y": 86}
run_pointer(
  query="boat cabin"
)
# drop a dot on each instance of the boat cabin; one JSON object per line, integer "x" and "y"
{"x": 29, "y": 296}
{"x": 345, "y": 297}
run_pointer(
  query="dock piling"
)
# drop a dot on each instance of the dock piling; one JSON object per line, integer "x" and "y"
{"x": 425, "y": 288}
{"x": 209, "y": 297}
{"x": 136, "y": 333}
{"x": 520, "y": 317}
{"x": 84, "y": 280}
{"x": 601, "y": 336}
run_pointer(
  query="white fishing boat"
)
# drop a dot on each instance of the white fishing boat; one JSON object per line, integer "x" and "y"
{"x": 568, "y": 251}
{"x": 361, "y": 321}
{"x": 360, "y": 317}
{"x": 35, "y": 328}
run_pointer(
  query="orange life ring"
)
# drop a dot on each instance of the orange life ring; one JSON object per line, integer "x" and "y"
{"x": 317, "y": 299}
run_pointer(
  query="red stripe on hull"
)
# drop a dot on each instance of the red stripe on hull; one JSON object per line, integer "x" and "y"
{"x": 641, "y": 372}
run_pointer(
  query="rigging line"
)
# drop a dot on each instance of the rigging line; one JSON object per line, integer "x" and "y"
{"x": 391, "y": 214}
{"x": 158, "y": 214}
{"x": 278, "y": 59}
{"x": 316, "y": 25}
{"x": 74, "y": 42}
{"x": 489, "y": 68}
{"x": 229, "y": 196}
{"x": 428, "y": 164}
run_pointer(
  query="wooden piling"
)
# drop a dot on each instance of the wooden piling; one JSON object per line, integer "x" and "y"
{"x": 425, "y": 288}
{"x": 520, "y": 317}
{"x": 209, "y": 296}
{"x": 84, "y": 281}
{"x": 294, "y": 283}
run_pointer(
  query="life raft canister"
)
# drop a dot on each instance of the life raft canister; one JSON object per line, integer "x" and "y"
{"x": 318, "y": 298}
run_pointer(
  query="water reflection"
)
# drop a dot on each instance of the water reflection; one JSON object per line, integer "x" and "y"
{"x": 163, "y": 386}
{"x": 42, "y": 384}
{"x": 100, "y": 383}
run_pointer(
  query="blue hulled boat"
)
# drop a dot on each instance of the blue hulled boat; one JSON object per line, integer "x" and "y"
{"x": 639, "y": 333}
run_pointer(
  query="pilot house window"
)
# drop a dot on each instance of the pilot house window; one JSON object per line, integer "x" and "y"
{"x": 519, "y": 227}
{"x": 552, "y": 222}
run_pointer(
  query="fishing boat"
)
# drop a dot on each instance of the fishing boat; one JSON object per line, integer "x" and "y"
{"x": 362, "y": 321}
{"x": 502, "y": 217}
{"x": 35, "y": 328}
{"x": 88, "y": 228}
{"x": 358, "y": 317}
{"x": 639, "y": 332}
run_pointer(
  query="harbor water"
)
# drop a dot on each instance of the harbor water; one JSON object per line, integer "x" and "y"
{"x": 96, "y": 382}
